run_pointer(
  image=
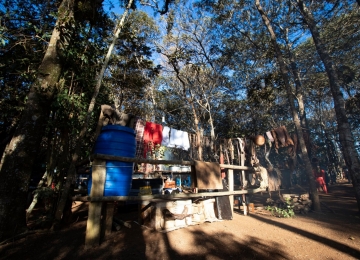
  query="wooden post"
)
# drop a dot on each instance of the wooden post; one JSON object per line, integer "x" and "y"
{"x": 108, "y": 218}
{"x": 231, "y": 188}
{"x": 243, "y": 177}
{"x": 93, "y": 226}
{"x": 142, "y": 210}
{"x": 193, "y": 177}
{"x": 242, "y": 161}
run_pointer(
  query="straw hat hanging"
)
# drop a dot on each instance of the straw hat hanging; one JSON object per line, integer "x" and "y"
{"x": 258, "y": 140}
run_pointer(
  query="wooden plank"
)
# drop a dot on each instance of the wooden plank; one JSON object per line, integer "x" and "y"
{"x": 244, "y": 182}
{"x": 193, "y": 177}
{"x": 93, "y": 225}
{"x": 223, "y": 206}
{"x": 242, "y": 161}
{"x": 138, "y": 160}
{"x": 208, "y": 175}
{"x": 159, "y": 197}
{"x": 230, "y": 179}
{"x": 98, "y": 178}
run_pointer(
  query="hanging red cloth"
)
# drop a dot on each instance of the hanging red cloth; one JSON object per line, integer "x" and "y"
{"x": 320, "y": 179}
{"x": 152, "y": 136}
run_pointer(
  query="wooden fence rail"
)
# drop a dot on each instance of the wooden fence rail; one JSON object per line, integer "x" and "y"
{"x": 159, "y": 197}
{"x": 98, "y": 204}
{"x": 177, "y": 162}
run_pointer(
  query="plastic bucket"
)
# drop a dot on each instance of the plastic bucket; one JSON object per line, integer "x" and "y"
{"x": 118, "y": 141}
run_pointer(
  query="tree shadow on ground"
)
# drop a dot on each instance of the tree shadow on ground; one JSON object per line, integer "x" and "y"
{"x": 320, "y": 239}
{"x": 142, "y": 243}
{"x": 134, "y": 244}
{"x": 224, "y": 246}
{"x": 131, "y": 244}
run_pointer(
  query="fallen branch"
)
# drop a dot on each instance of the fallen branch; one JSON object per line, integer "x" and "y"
{"x": 121, "y": 222}
{"x": 21, "y": 235}
{"x": 116, "y": 226}
{"x": 301, "y": 187}
{"x": 35, "y": 198}
{"x": 326, "y": 206}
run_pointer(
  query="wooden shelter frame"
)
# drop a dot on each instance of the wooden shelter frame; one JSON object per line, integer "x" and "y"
{"x": 101, "y": 208}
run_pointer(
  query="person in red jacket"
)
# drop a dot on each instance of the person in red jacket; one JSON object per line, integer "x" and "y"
{"x": 319, "y": 176}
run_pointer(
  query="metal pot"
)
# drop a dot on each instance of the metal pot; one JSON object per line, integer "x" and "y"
{"x": 185, "y": 169}
{"x": 174, "y": 168}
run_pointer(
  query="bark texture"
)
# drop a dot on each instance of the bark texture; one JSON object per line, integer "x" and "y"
{"x": 18, "y": 157}
{"x": 299, "y": 94}
{"x": 70, "y": 177}
{"x": 350, "y": 154}
{"x": 284, "y": 73}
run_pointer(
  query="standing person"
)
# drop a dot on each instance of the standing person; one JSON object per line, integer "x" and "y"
{"x": 320, "y": 178}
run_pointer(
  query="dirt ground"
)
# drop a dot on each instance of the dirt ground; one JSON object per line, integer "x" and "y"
{"x": 332, "y": 234}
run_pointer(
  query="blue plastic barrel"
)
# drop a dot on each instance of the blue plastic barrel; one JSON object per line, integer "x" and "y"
{"x": 89, "y": 183}
{"x": 118, "y": 141}
{"x": 187, "y": 181}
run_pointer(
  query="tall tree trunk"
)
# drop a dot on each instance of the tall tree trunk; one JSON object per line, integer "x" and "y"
{"x": 212, "y": 131}
{"x": 70, "y": 177}
{"x": 284, "y": 74}
{"x": 35, "y": 198}
{"x": 18, "y": 157}
{"x": 345, "y": 136}
{"x": 330, "y": 155}
{"x": 188, "y": 85}
{"x": 299, "y": 93}
{"x": 207, "y": 107}
{"x": 199, "y": 135}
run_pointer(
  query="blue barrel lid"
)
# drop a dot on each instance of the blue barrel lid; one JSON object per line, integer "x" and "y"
{"x": 118, "y": 127}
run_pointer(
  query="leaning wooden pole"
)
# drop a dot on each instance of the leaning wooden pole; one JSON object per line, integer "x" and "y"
{"x": 72, "y": 169}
